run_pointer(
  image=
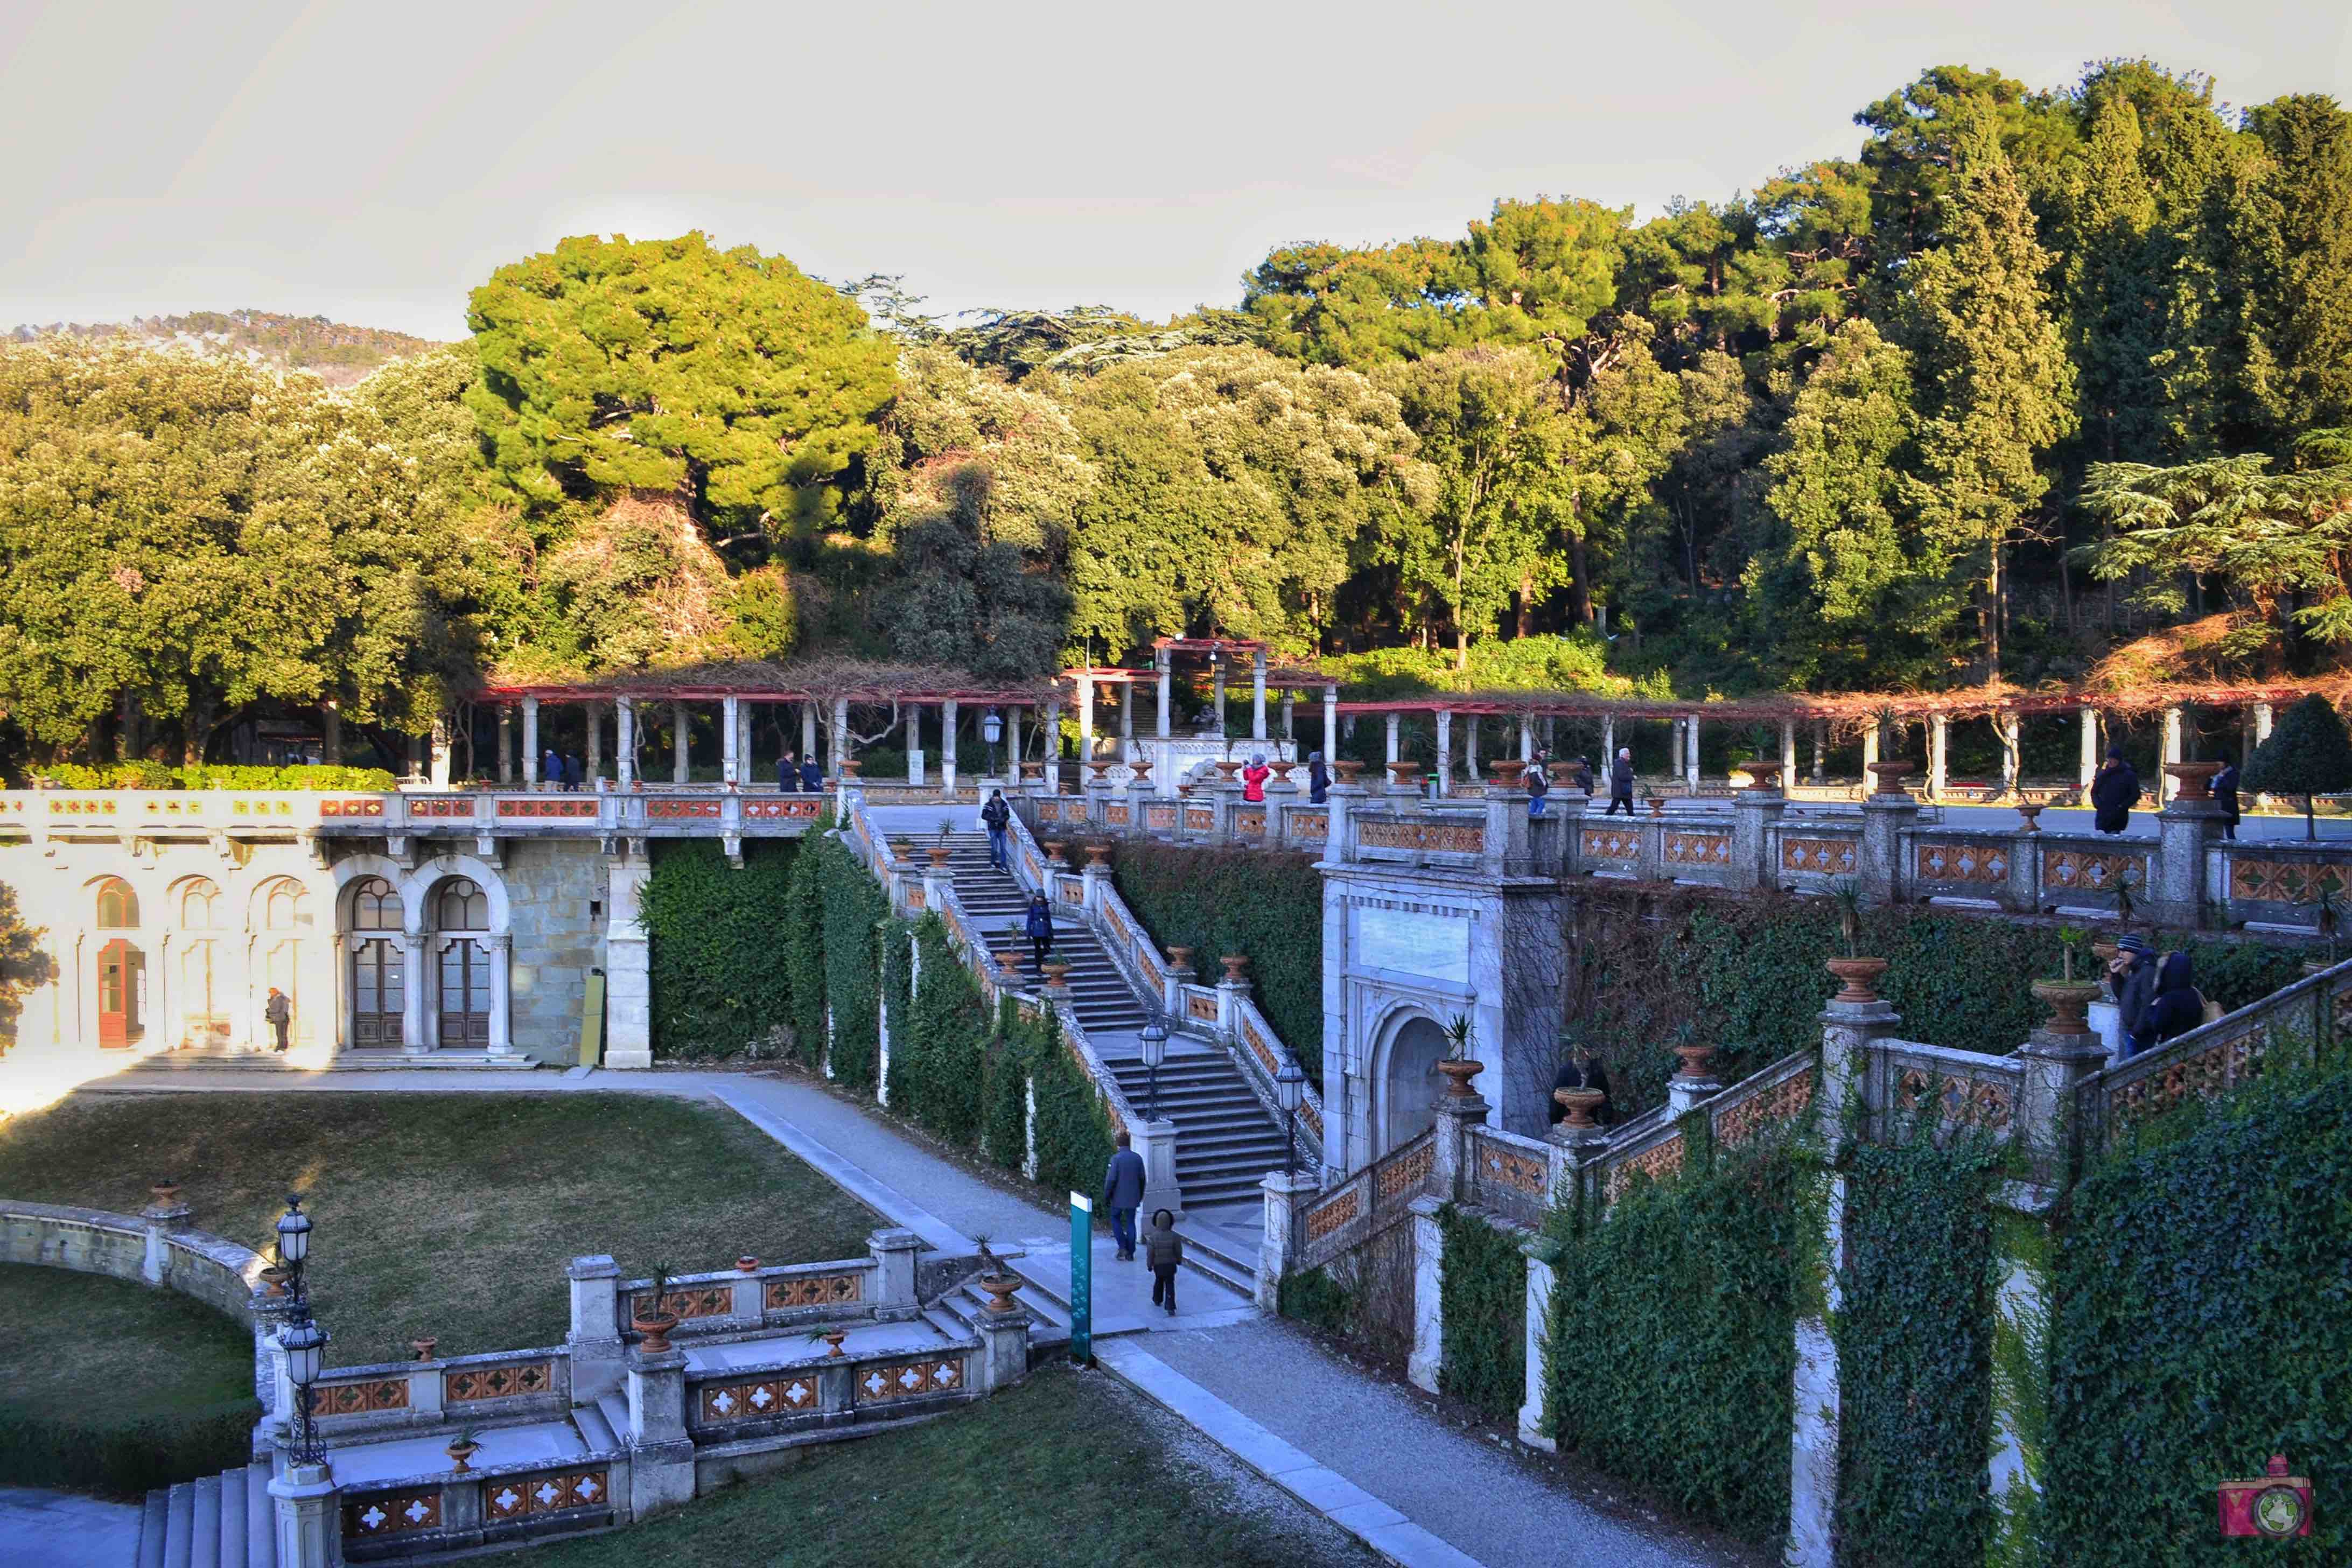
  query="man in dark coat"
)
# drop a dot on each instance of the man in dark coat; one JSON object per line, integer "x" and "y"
{"x": 1123, "y": 1194}
{"x": 1621, "y": 783}
{"x": 1583, "y": 777}
{"x": 551, "y": 767}
{"x": 1038, "y": 925}
{"x": 575, "y": 773}
{"x": 997, "y": 818}
{"x": 812, "y": 775}
{"x": 2131, "y": 977}
{"x": 2177, "y": 1008}
{"x": 278, "y": 1012}
{"x": 2225, "y": 795}
{"x": 1318, "y": 779}
{"x": 2114, "y": 793}
{"x": 788, "y": 774}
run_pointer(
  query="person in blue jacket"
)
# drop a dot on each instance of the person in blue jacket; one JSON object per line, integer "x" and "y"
{"x": 788, "y": 774}
{"x": 2178, "y": 1006}
{"x": 1038, "y": 924}
{"x": 812, "y": 775}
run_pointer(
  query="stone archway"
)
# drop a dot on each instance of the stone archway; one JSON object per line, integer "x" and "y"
{"x": 1407, "y": 1083}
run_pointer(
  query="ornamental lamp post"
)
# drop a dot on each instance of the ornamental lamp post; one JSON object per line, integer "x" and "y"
{"x": 300, "y": 1337}
{"x": 991, "y": 729}
{"x": 294, "y": 1243}
{"x": 1155, "y": 1051}
{"x": 1289, "y": 1088}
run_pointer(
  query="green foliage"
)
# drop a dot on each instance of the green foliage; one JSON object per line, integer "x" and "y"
{"x": 1215, "y": 901}
{"x": 1073, "y": 1129}
{"x": 23, "y": 965}
{"x": 1313, "y": 1298}
{"x": 1485, "y": 1300}
{"x": 853, "y": 911}
{"x": 939, "y": 1060}
{"x": 157, "y": 775}
{"x": 128, "y": 1459}
{"x": 963, "y": 601}
{"x": 2201, "y": 1325}
{"x": 802, "y": 918}
{"x": 2308, "y": 754}
{"x": 1915, "y": 1356}
{"x": 1672, "y": 1346}
{"x": 1004, "y": 1127}
{"x": 720, "y": 959}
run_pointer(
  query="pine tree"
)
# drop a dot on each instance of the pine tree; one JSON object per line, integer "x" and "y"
{"x": 2290, "y": 257}
{"x": 2309, "y": 754}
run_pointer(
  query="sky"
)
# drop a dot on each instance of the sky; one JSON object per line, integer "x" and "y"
{"x": 372, "y": 163}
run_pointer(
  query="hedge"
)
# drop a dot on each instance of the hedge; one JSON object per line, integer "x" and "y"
{"x": 129, "y": 1458}
{"x": 1672, "y": 1347}
{"x": 1483, "y": 1296}
{"x": 163, "y": 776}
{"x": 721, "y": 973}
{"x": 802, "y": 918}
{"x": 938, "y": 1055}
{"x": 852, "y": 911}
{"x": 1265, "y": 903}
{"x": 2202, "y": 1323}
{"x": 1915, "y": 1356}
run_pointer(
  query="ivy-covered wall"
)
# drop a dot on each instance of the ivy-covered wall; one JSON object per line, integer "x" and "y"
{"x": 717, "y": 947}
{"x": 1915, "y": 1356}
{"x": 1672, "y": 1347}
{"x": 853, "y": 909}
{"x": 2203, "y": 1323}
{"x": 1267, "y": 904}
{"x": 1484, "y": 1296}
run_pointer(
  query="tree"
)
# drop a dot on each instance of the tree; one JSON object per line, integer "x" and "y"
{"x": 962, "y": 602}
{"x": 729, "y": 379}
{"x": 2291, "y": 252}
{"x": 2309, "y": 754}
{"x": 23, "y": 965}
{"x": 1995, "y": 384}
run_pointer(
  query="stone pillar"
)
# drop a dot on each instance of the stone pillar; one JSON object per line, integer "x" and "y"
{"x": 1938, "y": 740}
{"x": 308, "y": 1525}
{"x": 894, "y": 1253}
{"x": 681, "y": 743}
{"x": 2046, "y": 1129}
{"x": 1283, "y": 1194}
{"x": 1004, "y": 1348}
{"x": 2166, "y": 786}
{"x": 1527, "y": 738}
{"x": 1086, "y": 717}
{"x": 1179, "y": 976}
{"x": 1690, "y": 740}
{"x": 1754, "y": 813}
{"x": 1155, "y": 1141}
{"x": 1257, "y": 694}
{"x": 1392, "y": 718}
{"x": 2086, "y": 767}
{"x": 731, "y": 735}
{"x": 628, "y": 976}
{"x": 747, "y": 749}
{"x": 1428, "y": 1287}
{"x": 1051, "y": 726}
{"x": 624, "y": 741}
{"x": 529, "y": 742}
{"x": 501, "y": 948}
{"x": 1281, "y": 795}
{"x": 1444, "y": 752}
{"x": 1820, "y": 747}
{"x": 1869, "y": 755}
{"x": 1542, "y": 1253}
{"x": 661, "y": 1456}
{"x": 1787, "y": 752}
{"x": 414, "y": 1035}
{"x": 1885, "y": 820}
{"x": 1608, "y": 744}
{"x": 808, "y": 732}
{"x": 1217, "y": 691}
{"x": 2262, "y": 723}
{"x": 594, "y": 722}
{"x": 838, "y": 747}
{"x": 164, "y": 1220}
{"x": 1470, "y": 749}
{"x": 506, "y": 745}
{"x": 594, "y": 1337}
{"x": 1330, "y": 724}
{"x": 1813, "y": 1434}
{"x": 914, "y": 743}
{"x": 2010, "y": 766}
{"x": 1450, "y": 1149}
{"x": 1127, "y": 722}
{"x": 1290, "y": 719}
{"x": 2184, "y": 831}
{"x": 948, "y": 745}
{"x": 1161, "y": 661}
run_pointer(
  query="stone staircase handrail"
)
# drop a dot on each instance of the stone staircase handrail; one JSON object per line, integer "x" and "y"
{"x": 1370, "y": 1201}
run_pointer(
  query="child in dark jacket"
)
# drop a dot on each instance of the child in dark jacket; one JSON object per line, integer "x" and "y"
{"x": 1163, "y": 1249}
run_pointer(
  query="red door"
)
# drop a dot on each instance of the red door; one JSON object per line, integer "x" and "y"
{"x": 118, "y": 993}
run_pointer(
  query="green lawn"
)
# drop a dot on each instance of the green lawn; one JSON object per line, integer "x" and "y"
{"x": 1068, "y": 1468}
{"x": 451, "y": 1215}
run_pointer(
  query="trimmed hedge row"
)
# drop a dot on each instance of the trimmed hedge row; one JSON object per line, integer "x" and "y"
{"x": 721, "y": 974}
{"x": 1483, "y": 1293}
{"x": 124, "y": 1459}
{"x": 163, "y": 776}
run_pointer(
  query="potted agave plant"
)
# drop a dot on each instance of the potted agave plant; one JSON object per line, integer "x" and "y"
{"x": 2328, "y": 916}
{"x": 997, "y": 1280}
{"x": 1458, "y": 1066}
{"x": 1855, "y": 974}
{"x": 938, "y": 849}
{"x": 650, "y": 1317}
{"x": 463, "y": 1448}
{"x": 830, "y": 1337}
{"x": 2068, "y": 999}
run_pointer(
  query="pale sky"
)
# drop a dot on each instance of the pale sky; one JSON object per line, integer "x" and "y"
{"x": 373, "y": 162}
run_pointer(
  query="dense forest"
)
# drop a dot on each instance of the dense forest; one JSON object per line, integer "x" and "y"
{"x": 2035, "y": 373}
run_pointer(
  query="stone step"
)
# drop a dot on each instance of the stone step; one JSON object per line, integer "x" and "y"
{"x": 233, "y": 1520}
{"x": 594, "y": 1430}
{"x": 1221, "y": 1189}
{"x": 614, "y": 1406}
{"x": 261, "y": 1518}
{"x": 179, "y": 1526}
{"x": 152, "y": 1525}
{"x": 1213, "y": 1263}
{"x": 205, "y": 1526}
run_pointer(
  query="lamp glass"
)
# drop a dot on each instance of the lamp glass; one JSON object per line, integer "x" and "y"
{"x": 1290, "y": 1085}
{"x": 293, "y": 1232}
{"x": 992, "y": 727}
{"x": 1155, "y": 1042}
{"x": 303, "y": 1343}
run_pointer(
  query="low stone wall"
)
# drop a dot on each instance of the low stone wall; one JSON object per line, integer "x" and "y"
{"x": 215, "y": 1271}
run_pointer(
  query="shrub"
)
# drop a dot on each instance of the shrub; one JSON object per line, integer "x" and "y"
{"x": 804, "y": 924}
{"x": 720, "y": 954}
{"x": 942, "y": 1080}
{"x": 128, "y": 1459}
{"x": 853, "y": 909}
{"x": 160, "y": 775}
{"x": 1485, "y": 1300}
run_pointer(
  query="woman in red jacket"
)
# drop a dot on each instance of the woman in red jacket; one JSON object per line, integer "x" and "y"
{"x": 1253, "y": 777}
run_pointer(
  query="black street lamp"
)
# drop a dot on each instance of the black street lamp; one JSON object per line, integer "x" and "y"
{"x": 302, "y": 1339}
{"x": 1289, "y": 1088}
{"x": 1155, "y": 1051}
{"x": 991, "y": 729}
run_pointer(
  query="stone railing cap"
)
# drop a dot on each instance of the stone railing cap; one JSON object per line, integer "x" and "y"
{"x": 596, "y": 1265}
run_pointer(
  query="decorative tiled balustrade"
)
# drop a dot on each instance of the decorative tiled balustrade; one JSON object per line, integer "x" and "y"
{"x": 1911, "y": 1090}
{"x": 652, "y": 813}
{"x": 1508, "y": 1174}
{"x": 732, "y": 1300}
{"x": 2280, "y": 882}
{"x": 1375, "y": 1197}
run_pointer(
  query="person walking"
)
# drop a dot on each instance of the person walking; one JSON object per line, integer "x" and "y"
{"x": 2178, "y": 1006}
{"x": 1038, "y": 924}
{"x": 1318, "y": 779}
{"x": 2225, "y": 795}
{"x": 278, "y": 1013}
{"x": 2114, "y": 793}
{"x": 1538, "y": 788}
{"x": 2131, "y": 980}
{"x": 788, "y": 774}
{"x": 1253, "y": 777}
{"x": 575, "y": 773}
{"x": 1581, "y": 1070}
{"x": 1582, "y": 777}
{"x": 1621, "y": 783}
{"x": 1123, "y": 1194}
{"x": 1163, "y": 1249}
{"x": 550, "y": 768}
{"x": 997, "y": 818}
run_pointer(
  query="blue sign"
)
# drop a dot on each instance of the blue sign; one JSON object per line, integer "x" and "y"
{"x": 1082, "y": 1279}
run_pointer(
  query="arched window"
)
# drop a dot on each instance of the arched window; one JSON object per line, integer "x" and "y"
{"x": 288, "y": 902}
{"x": 118, "y": 906}
{"x": 199, "y": 904}
{"x": 374, "y": 905}
{"x": 462, "y": 907}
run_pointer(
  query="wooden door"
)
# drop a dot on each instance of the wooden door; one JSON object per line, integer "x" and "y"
{"x": 118, "y": 993}
{"x": 466, "y": 995}
{"x": 379, "y": 992}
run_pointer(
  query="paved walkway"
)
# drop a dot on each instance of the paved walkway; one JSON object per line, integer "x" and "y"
{"x": 57, "y": 1530}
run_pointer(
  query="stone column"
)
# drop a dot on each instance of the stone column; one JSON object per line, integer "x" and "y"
{"x": 1257, "y": 694}
{"x": 1052, "y": 726}
{"x": 1444, "y": 752}
{"x": 1281, "y": 795}
{"x": 1004, "y": 1348}
{"x": 1787, "y": 752}
{"x": 1161, "y": 661}
{"x": 948, "y": 716}
{"x": 1754, "y": 813}
{"x": 1820, "y": 747}
{"x": 681, "y": 743}
{"x": 914, "y": 743}
{"x": 1392, "y": 716}
{"x": 1330, "y": 724}
{"x": 594, "y": 723}
{"x": 2166, "y": 786}
{"x": 1086, "y": 717}
{"x": 2184, "y": 831}
{"x": 1470, "y": 749}
{"x": 894, "y": 1253}
{"x": 839, "y": 745}
{"x": 415, "y": 1033}
{"x": 2010, "y": 766}
{"x": 1290, "y": 719}
{"x": 730, "y": 734}
{"x": 1885, "y": 818}
{"x": 501, "y": 947}
{"x": 1155, "y": 1143}
{"x": 1179, "y": 976}
{"x": 808, "y": 732}
{"x": 1283, "y": 1194}
{"x": 506, "y": 745}
{"x": 1542, "y": 1254}
{"x": 1869, "y": 754}
{"x": 1690, "y": 740}
{"x": 1217, "y": 691}
{"x": 1127, "y": 722}
{"x": 661, "y": 1456}
{"x": 1428, "y": 1288}
{"x": 628, "y": 982}
{"x": 1938, "y": 738}
{"x": 747, "y": 749}
{"x": 530, "y": 742}
{"x": 1527, "y": 738}
{"x": 308, "y": 1525}
{"x": 1608, "y": 744}
{"x": 1450, "y": 1149}
{"x": 164, "y": 1221}
{"x": 2262, "y": 723}
{"x": 594, "y": 1337}
{"x": 624, "y": 741}
{"x": 2086, "y": 767}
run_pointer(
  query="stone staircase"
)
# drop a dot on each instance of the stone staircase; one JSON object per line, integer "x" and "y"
{"x": 225, "y": 1520}
{"x": 995, "y": 903}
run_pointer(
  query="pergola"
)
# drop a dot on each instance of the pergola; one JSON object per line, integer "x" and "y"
{"x": 1218, "y": 653}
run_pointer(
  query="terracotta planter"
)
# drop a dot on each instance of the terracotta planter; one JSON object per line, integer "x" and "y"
{"x": 165, "y": 1193}
{"x": 1181, "y": 958}
{"x": 1100, "y": 768}
{"x": 655, "y": 1327}
{"x": 2105, "y": 951}
{"x": 938, "y": 854}
{"x": 747, "y": 1264}
{"x": 1562, "y": 774}
{"x": 1057, "y": 975}
{"x": 1225, "y": 771}
{"x": 1143, "y": 768}
{"x": 461, "y": 1455}
{"x": 1859, "y": 975}
{"x": 1458, "y": 1074}
{"x": 1346, "y": 769}
{"x": 425, "y": 1347}
{"x": 1657, "y": 806}
{"x": 1053, "y": 849}
{"x": 1000, "y": 1288}
{"x": 847, "y": 767}
{"x": 1698, "y": 1063}
{"x": 1097, "y": 854}
{"x": 1506, "y": 772}
{"x": 1234, "y": 963}
{"x": 2032, "y": 815}
{"x": 273, "y": 1281}
{"x": 833, "y": 1337}
{"x": 1403, "y": 772}
{"x": 1581, "y": 1103}
{"x": 1762, "y": 774}
{"x": 1033, "y": 770}
{"x": 1890, "y": 776}
{"x": 2069, "y": 1003}
{"x": 2196, "y": 779}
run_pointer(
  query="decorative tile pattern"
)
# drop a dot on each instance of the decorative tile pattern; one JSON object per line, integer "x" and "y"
{"x": 1960, "y": 862}
{"x": 446, "y": 805}
{"x": 1249, "y": 821}
{"x": 910, "y": 1380}
{"x": 2200, "y": 1075}
{"x": 1958, "y": 1102}
{"x": 695, "y": 1301}
{"x": 1827, "y": 856}
{"x": 2284, "y": 881}
{"x": 1200, "y": 819}
{"x": 1117, "y": 926}
{"x": 1160, "y": 817}
{"x": 1115, "y": 814}
{"x": 1308, "y": 826}
{"x": 358, "y": 1398}
{"x": 1414, "y": 833}
{"x": 1070, "y": 890}
{"x": 1618, "y": 844}
{"x": 1698, "y": 848}
{"x": 1511, "y": 1168}
{"x": 497, "y": 1381}
{"x": 915, "y": 895}
{"x": 548, "y": 805}
{"x": 804, "y": 806}
{"x": 515, "y": 1496}
{"x": 1333, "y": 1212}
{"x": 2090, "y": 870}
{"x": 369, "y": 806}
{"x": 1405, "y": 1170}
{"x": 814, "y": 1290}
{"x": 671, "y": 809}
{"x": 400, "y": 1513}
{"x": 1658, "y": 1161}
{"x": 722, "y": 1402}
{"x": 1737, "y": 1122}
{"x": 1202, "y": 1008}
{"x": 257, "y": 807}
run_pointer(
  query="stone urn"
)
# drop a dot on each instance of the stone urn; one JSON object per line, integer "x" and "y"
{"x": 1346, "y": 769}
{"x": 1458, "y": 1073}
{"x": 2032, "y": 815}
{"x": 2105, "y": 951}
{"x": 1658, "y": 805}
{"x": 847, "y": 767}
{"x": 461, "y": 1453}
{"x": 654, "y": 1326}
{"x": 425, "y": 1346}
{"x": 1058, "y": 975}
{"x": 747, "y": 1264}
{"x": 1507, "y": 773}
{"x": 1181, "y": 958}
{"x": 1097, "y": 854}
{"x": 938, "y": 854}
{"x": 1099, "y": 768}
{"x": 833, "y": 1338}
{"x": 1227, "y": 770}
{"x": 1234, "y": 963}
{"x": 1053, "y": 849}
{"x": 2069, "y": 1002}
{"x": 1698, "y": 1063}
{"x": 273, "y": 1281}
{"x": 1857, "y": 975}
{"x": 1890, "y": 776}
{"x": 1142, "y": 766}
{"x": 166, "y": 1194}
{"x": 1579, "y": 1104}
{"x": 1401, "y": 774}
{"x": 1031, "y": 772}
{"x": 2195, "y": 778}
{"x": 999, "y": 1287}
{"x": 1762, "y": 774}
{"x": 1562, "y": 774}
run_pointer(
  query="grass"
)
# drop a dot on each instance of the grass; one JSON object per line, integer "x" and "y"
{"x": 1067, "y": 1467}
{"x": 95, "y": 1350}
{"x": 451, "y": 1215}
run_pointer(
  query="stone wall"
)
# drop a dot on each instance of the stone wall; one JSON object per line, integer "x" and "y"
{"x": 557, "y": 891}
